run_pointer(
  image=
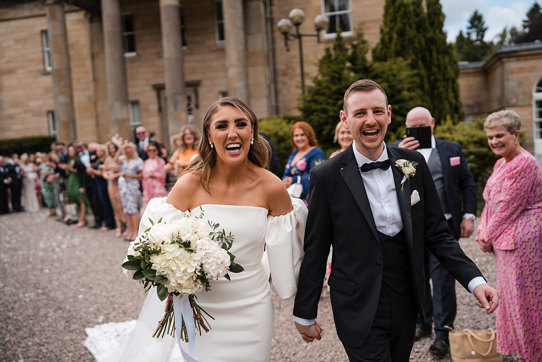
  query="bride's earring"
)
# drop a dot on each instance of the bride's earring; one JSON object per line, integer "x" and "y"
{"x": 211, "y": 145}
{"x": 252, "y": 141}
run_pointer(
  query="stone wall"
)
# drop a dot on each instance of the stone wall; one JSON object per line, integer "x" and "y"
{"x": 505, "y": 81}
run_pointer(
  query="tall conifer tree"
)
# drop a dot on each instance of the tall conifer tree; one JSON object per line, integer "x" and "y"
{"x": 416, "y": 34}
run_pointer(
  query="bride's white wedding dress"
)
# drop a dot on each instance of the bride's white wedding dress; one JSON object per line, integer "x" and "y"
{"x": 242, "y": 308}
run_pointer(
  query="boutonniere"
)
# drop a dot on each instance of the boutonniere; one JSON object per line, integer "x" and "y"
{"x": 408, "y": 168}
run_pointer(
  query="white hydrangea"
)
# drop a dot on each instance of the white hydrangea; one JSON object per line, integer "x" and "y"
{"x": 179, "y": 267}
{"x": 216, "y": 260}
{"x": 160, "y": 234}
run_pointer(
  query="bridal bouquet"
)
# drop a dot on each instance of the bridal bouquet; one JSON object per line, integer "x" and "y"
{"x": 181, "y": 258}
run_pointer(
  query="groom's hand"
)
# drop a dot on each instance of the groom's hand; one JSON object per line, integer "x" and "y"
{"x": 487, "y": 297}
{"x": 309, "y": 333}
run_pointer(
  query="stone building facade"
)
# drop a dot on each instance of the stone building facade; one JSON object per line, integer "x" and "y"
{"x": 510, "y": 79}
{"x": 89, "y": 69}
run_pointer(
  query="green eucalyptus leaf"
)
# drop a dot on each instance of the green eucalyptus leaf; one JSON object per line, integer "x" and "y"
{"x": 162, "y": 292}
{"x": 131, "y": 265}
{"x": 138, "y": 275}
{"x": 236, "y": 268}
{"x": 149, "y": 274}
{"x": 152, "y": 222}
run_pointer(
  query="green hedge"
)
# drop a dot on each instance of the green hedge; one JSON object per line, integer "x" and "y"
{"x": 22, "y": 145}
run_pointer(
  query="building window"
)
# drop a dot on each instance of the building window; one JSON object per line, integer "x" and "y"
{"x": 222, "y": 94}
{"x": 51, "y": 123}
{"x": 135, "y": 115}
{"x": 339, "y": 13}
{"x": 183, "y": 26}
{"x": 46, "y": 50}
{"x": 219, "y": 23}
{"x": 128, "y": 35}
{"x": 537, "y": 118}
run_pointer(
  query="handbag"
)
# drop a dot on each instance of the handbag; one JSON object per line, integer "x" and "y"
{"x": 295, "y": 190}
{"x": 474, "y": 345}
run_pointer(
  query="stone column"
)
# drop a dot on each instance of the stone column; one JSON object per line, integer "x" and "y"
{"x": 173, "y": 66}
{"x": 117, "y": 92}
{"x": 62, "y": 78}
{"x": 236, "y": 64}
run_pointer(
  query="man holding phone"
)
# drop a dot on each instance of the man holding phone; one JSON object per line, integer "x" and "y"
{"x": 457, "y": 192}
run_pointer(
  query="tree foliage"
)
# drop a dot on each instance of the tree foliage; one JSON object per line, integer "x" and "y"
{"x": 416, "y": 35}
{"x": 471, "y": 46}
{"x": 532, "y": 26}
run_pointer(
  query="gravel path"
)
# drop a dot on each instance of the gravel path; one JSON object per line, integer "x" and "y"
{"x": 56, "y": 281}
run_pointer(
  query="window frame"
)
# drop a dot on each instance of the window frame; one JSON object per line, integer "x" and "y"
{"x": 218, "y": 23}
{"x": 327, "y": 35}
{"x": 537, "y": 121}
{"x": 125, "y": 35}
{"x": 52, "y": 123}
{"x": 182, "y": 24}
{"x": 134, "y": 109}
{"x": 46, "y": 51}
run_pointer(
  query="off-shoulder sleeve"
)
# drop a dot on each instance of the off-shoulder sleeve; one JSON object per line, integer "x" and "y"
{"x": 158, "y": 208}
{"x": 284, "y": 240}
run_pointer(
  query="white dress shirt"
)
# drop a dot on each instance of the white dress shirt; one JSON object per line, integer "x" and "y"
{"x": 380, "y": 187}
{"x": 85, "y": 158}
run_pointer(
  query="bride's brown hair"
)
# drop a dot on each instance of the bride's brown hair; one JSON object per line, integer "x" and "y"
{"x": 258, "y": 153}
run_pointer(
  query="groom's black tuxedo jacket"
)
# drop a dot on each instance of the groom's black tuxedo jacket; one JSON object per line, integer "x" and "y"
{"x": 340, "y": 215}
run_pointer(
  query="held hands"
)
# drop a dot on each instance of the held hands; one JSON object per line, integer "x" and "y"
{"x": 485, "y": 248}
{"x": 309, "y": 333}
{"x": 409, "y": 142}
{"x": 467, "y": 228}
{"x": 487, "y": 297}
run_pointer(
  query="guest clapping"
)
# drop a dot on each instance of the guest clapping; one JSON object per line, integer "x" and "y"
{"x": 511, "y": 228}
{"x": 343, "y": 137}
{"x": 112, "y": 173}
{"x": 154, "y": 175}
{"x": 130, "y": 194}
{"x": 305, "y": 156}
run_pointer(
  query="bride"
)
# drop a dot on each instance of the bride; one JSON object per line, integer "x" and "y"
{"x": 229, "y": 185}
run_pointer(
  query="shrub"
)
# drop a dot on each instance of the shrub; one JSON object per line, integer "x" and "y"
{"x": 22, "y": 145}
{"x": 278, "y": 129}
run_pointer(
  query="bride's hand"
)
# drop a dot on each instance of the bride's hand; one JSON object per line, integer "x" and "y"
{"x": 168, "y": 302}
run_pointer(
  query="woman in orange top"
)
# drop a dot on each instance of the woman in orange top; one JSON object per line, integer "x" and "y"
{"x": 186, "y": 143}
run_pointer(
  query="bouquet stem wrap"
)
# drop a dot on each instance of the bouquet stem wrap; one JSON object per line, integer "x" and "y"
{"x": 183, "y": 310}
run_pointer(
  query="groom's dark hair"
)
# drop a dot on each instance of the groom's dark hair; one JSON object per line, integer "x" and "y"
{"x": 362, "y": 85}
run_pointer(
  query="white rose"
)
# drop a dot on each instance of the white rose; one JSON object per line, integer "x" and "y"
{"x": 409, "y": 170}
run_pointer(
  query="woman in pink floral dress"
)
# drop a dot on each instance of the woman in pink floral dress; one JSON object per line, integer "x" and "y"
{"x": 154, "y": 175}
{"x": 511, "y": 228}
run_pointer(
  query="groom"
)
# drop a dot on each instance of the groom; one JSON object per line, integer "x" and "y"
{"x": 379, "y": 217}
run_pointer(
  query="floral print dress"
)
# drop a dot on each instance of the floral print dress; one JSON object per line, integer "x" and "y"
{"x": 153, "y": 186}
{"x": 302, "y": 168}
{"x": 511, "y": 223}
{"x": 130, "y": 193}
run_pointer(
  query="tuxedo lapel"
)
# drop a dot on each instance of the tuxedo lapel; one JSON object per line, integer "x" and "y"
{"x": 403, "y": 195}
{"x": 351, "y": 174}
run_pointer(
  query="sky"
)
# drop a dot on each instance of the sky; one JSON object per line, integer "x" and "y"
{"x": 497, "y": 14}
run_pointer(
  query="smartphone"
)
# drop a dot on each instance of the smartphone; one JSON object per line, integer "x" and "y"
{"x": 422, "y": 134}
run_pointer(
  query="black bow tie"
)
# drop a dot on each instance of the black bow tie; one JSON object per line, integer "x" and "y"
{"x": 374, "y": 165}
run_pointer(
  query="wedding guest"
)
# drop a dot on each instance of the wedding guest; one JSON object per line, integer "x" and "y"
{"x": 343, "y": 137}
{"x": 5, "y": 180}
{"x": 511, "y": 228}
{"x": 85, "y": 158}
{"x": 30, "y": 174}
{"x": 130, "y": 194}
{"x": 47, "y": 175}
{"x": 142, "y": 141}
{"x": 76, "y": 189}
{"x": 305, "y": 156}
{"x": 59, "y": 183}
{"x": 100, "y": 187}
{"x": 186, "y": 146}
{"x": 15, "y": 187}
{"x": 112, "y": 172}
{"x": 35, "y": 158}
{"x": 154, "y": 175}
